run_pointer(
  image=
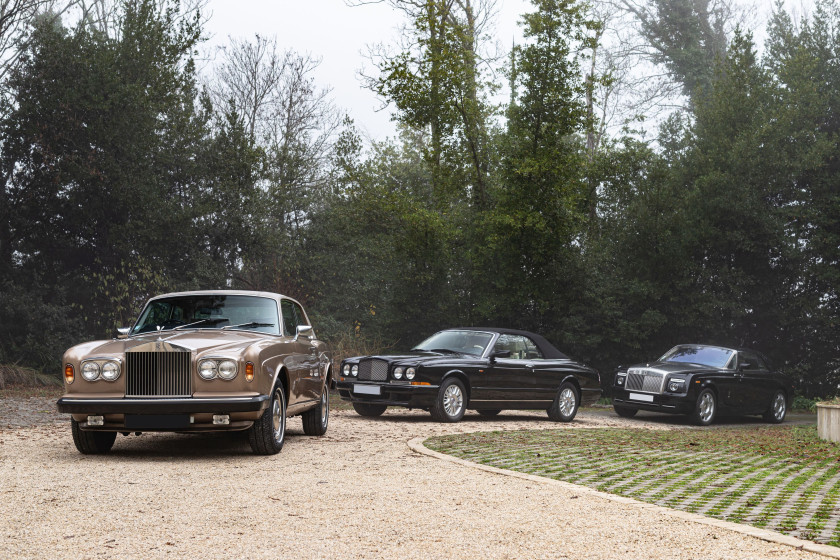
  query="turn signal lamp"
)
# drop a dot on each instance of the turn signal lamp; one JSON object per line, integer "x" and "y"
{"x": 69, "y": 374}
{"x": 249, "y": 371}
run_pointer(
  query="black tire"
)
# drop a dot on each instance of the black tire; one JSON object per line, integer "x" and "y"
{"x": 92, "y": 443}
{"x": 778, "y": 408}
{"x": 489, "y": 412}
{"x": 369, "y": 410}
{"x": 705, "y": 410}
{"x": 268, "y": 434}
{"x": 451, "y": 401}
{"x": 315, "y": 421}
{"x": 565, "y": 405}
{"x": 625, "y": 411}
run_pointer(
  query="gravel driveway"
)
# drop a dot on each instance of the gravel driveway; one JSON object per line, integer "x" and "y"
{"x": 358, "y": 492}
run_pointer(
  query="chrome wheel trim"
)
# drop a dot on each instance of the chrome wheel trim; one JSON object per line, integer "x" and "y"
{"x": 779, "y": 407}
{"x": 706, "y": 407}
{"x": 453, "y": 400}
{"x": 325, "y": 408}
{"x": 278, "y": 417}
{"x": 567, "y": 401}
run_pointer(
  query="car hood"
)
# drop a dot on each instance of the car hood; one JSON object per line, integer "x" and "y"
{"x": 199, "y": 341}
{"x": 421, "y": 358}
{"x": 674, "y": 367}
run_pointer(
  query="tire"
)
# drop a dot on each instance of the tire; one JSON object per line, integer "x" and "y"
{"x": 451, "y": 401}
{"x": 369, "y": 410}
{"x": 565, "y": 405}
{"x": 489, "y": 412}
{"x": 778, "y": 408}
{"x": 268, "y": 434}
{"x": 315, "y": 421}
{"x": 91, "y": 443}
{"x": 706, "y": 408}
{"x": 625, "y": 411}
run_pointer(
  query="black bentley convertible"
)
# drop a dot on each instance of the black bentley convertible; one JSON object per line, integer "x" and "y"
{"x": 703, "y": 381}
{"x": 482, "y": 369}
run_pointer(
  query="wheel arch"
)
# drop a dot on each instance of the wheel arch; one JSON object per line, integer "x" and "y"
{"x": 462, "y": 377}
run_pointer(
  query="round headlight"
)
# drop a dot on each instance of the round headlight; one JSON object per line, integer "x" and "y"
{"x": 110, "y": 371}
{"x": 227, "y": 369}
{"x": 346, "y": 369}
{"x": 410, "y": 373}
{"x": 676, "y": 386}
{"x": 90, "y": 371}
{"x": 398, "y": 372}
{"x": 354, "y": 371}
{"x": 207, "y": 369}
{"x": 619, "y": 379}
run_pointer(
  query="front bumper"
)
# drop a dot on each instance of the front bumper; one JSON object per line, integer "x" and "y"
{"x": 666, "y": 402}
{"x": 390, "y": 394}
{"x": 217, "y": 405}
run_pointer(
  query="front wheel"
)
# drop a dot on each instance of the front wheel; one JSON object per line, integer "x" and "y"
{"x": 315, "y": 421}
{"x": 625, "y": 411}
{"x": 706, "y": 408}
{"x": 369, "y": 410}
{"x": 268, "y": 433}
{"x": 91, "y": 443}
{"x": 450, "y": 403}
{"x": 565, "y": 405}
{"x": 778, "y": 409}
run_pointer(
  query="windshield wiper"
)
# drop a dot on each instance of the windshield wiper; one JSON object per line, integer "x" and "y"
{"x": 444, "y": 351}
{"x": 250, "y": 325}
{"x": 202, "y": 321}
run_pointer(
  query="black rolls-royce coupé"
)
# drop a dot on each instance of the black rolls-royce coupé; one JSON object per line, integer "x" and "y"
{"x": 482, "y": 369}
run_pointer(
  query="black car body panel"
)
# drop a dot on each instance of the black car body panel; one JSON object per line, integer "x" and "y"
{"x": 744, "y": 385}
{"x": 521, "y": 381}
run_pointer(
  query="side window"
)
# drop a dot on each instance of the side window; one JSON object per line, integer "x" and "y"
{"x": 504, "y": 343}
{"x": 520, "y": 347}
{"x": 531, "y": 350}
{"x": 300, "y": 317}
{"x": 287, "y": 308}
{"x": 751, "y": 358}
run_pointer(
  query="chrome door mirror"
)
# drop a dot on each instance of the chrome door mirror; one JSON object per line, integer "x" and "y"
{"x": 123, "y": 332}
{"x": 304, "y": 330}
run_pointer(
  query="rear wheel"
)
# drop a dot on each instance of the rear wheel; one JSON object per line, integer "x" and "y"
{"x": 315, "y": 421}
{"x": 625, "y": 411}
{"x": 565, "y": 405}
{"x": 489, "y": 412}
{"x": 268, "y": 434}
{"x": 450, "y": 403}
{"x": 778, "y": 409}
{"x": 91, "y": 443}
{"x": 369, "y": 410}
{"x": 706, "y": 408}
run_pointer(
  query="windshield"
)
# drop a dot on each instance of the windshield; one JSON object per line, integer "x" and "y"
{"x": 463, "y": 342}
{"x": 705, "y": 355}
{"x": 209, "y": 312}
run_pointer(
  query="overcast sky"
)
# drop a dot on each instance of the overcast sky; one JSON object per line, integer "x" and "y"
{"x": 338, "y": 35}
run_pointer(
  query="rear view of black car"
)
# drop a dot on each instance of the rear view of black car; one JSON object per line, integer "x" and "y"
{"x": 704, "y": 381}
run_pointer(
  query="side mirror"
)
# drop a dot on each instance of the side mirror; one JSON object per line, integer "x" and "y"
{"x": 304, "y": 330}
{"x": 499, "y": 354}
{"x": 123, "y": 332}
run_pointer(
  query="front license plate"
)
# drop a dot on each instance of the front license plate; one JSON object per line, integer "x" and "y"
{"x": 157, "y": 421}
{"x": 366, "y": 389}
{"x": 638, "y": 397}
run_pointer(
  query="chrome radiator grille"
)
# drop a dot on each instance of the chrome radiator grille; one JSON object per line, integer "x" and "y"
{"x": 157, "y": 374}
{"x": 645, "y": 380}
{"x": 373, "y": 370}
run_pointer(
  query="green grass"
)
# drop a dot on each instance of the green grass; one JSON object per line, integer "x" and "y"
{"x": 782, "y": 478}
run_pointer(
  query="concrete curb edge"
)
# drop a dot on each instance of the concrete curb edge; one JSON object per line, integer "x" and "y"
{"x": 417, "y": 446}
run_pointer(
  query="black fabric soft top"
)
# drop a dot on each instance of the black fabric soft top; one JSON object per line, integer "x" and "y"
{"x": 547, "y": 349}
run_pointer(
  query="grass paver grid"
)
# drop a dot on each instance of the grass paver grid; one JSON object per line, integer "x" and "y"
{"x": 781, "y": 478}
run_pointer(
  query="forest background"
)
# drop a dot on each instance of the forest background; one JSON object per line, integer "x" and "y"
{"x": 631, "y": 176}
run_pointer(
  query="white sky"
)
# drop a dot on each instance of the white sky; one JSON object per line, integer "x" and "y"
{"x": 339, "y": 35}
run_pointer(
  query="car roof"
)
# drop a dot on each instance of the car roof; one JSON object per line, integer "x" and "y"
{"x": 270, "y": 295}
{"x": 548, "y": 350}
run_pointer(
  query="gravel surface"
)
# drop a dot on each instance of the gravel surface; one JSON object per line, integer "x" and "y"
{"x": 358, "y": 492}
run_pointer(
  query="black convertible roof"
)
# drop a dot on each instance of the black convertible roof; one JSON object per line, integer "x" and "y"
{"x": 547, "y": 349}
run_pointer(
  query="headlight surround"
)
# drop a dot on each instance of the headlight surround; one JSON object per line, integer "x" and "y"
{"x": 676, "y": 385}
{"x": 620, "y": 378}
{"x": 110, "y": 371}
{"x": 398, "y": 372}
{"x": 354, "y": 371}
{"x": 90, "y": 371}
{"x": 227, "y": 369}
{"x": 346, "y": 369}
{"x": 410, "y": 373}
{"x": 207, "y": 369}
